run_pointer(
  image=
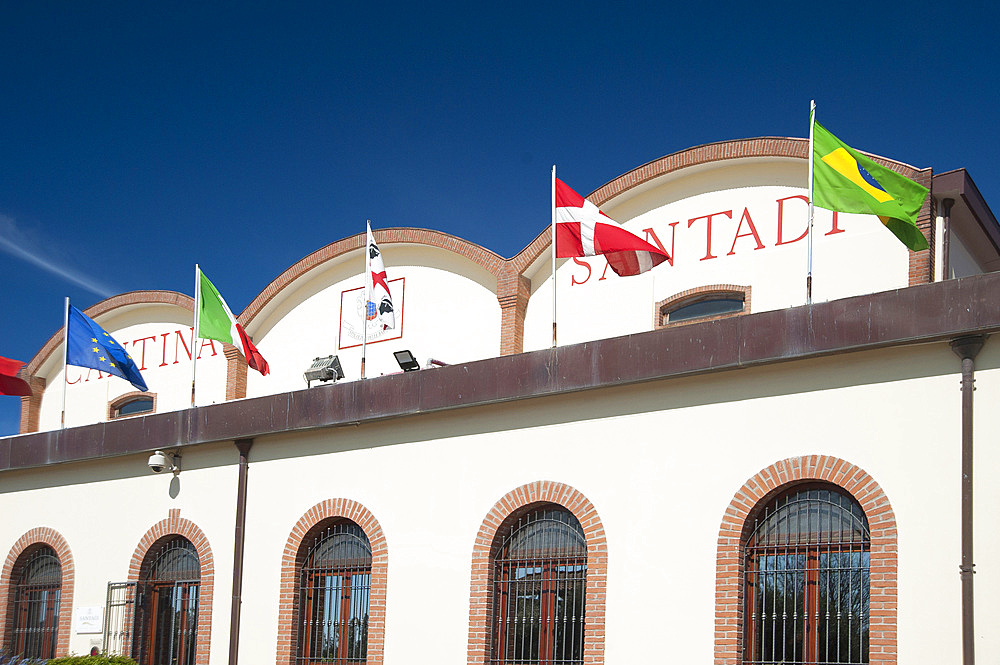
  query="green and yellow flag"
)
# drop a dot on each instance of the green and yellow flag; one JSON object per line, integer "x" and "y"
{"x": 846, "y": 181}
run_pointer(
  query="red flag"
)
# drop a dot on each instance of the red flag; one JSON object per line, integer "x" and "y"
{"x": 9, "y": 383}
{"x": 583, "y": 230}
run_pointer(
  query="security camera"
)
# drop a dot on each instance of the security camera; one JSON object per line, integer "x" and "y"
{"x": 158, "y": 462}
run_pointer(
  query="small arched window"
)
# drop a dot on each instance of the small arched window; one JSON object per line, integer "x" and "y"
{"x": 334, "y": 595}
{"x": 807, "y": 579}
{"x": 703, "y": 303}
{"x": 539, "y": 589}
{"x": 168, "y": 594}
{"x": 36, "y": 594}
{"x": 132, "y": 404}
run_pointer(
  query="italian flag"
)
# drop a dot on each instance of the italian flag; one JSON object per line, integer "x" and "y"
{"x": 216, "y": 321}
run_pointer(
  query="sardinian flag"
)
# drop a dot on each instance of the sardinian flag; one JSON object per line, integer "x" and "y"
{"x": 583, "y": 230}
{"x": 378, "y": 300}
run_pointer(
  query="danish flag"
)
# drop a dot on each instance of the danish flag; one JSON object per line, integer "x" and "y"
{"x": 583, "y": 230}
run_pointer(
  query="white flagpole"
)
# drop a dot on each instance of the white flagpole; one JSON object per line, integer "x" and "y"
{"x": 194, "y": 333}
{"x": 364, "y": 315}
{"x": 809, "y": 268}
{"x": 553, "y": 256}
{"x": 62, "y": 419}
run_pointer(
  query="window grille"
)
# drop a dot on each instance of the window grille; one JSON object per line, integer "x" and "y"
{"x": 119, "y": 618}
{"x": 36, "y": 595}
{"x": 807, "y": 580}
{"x": 334, "y": 595}
{"x": 155, "y": 620}
{"x": 539, "y": 590}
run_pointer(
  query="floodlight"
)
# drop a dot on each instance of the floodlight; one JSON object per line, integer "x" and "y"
{"x": 324, "y": 369}
{"x": 406, "y": 361}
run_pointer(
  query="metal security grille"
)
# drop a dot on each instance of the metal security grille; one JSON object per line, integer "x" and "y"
{"x": 807, "y": 580}
{"x": 119, "y": 618}
{"x": 36, "y": 604}
{"x": 334, "y": 592}
{"x": 166, "y": 602}
{"x": 539, "y": 590}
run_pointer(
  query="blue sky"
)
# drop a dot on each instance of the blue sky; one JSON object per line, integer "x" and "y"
{"x": 137, "y": 138}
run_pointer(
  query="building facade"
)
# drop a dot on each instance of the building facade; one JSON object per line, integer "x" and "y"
{"x": 706, "y": 468}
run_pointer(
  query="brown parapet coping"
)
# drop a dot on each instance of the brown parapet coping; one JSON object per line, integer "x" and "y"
{"x": 914, "y": 315}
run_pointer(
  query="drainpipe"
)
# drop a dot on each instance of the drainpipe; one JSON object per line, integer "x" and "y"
{"x": 967, "y": 348}
{"x": 946, "y": 241}
{"x": 243, "y": 445}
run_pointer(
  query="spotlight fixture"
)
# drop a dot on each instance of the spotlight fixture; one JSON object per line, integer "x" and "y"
{"x": 323, "y": 369}
{"x": 406, "y": 361}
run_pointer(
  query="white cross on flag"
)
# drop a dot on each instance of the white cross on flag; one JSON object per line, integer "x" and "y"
{"x": 583, "y": 230}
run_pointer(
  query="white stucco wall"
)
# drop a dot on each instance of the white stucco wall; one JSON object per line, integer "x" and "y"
{"x": 104, "y": 508}
{"x": 855, "y": 255}
{"x": 158, "y": 337}
{"x": 960, "y": 261}
{"x": 446, "y": 307}
{"x": 660, "y": 462}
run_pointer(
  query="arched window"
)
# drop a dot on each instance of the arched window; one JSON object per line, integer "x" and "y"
{"x": 703, "y": 303}
{"x": 807, "y": 580}
{"x": 167, "y": 597}
{"x": 131, "y": 404}
{"x": 539, "y": 589}
{"x": 36, "y": 594}
{"x": 334, "y": 594}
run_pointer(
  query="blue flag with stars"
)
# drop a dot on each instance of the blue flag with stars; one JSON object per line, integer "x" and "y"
{"x": 88, "y": 345}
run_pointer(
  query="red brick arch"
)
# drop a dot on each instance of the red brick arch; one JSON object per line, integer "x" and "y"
{"x": 291, "y": 565}
{"x": 175, "y": 525}
{"x": 733, "y": 532}
{"x": 42, "y": 535}
{"x": 510, "y": 507}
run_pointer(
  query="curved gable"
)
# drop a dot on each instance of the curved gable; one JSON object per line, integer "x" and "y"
{"x": 154, "y": 327}
{"x": 444, "y": 295}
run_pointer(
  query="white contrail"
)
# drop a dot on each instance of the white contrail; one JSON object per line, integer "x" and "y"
{"x": 17, "y": 243}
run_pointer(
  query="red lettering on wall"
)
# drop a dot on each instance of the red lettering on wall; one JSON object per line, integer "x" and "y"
{"x": 202, "y": 349}
{"x": 708, "y": 231}
{"x": 78, "y": 377}
{"x": 180, "y": 338}
{"x": 651, "y": 238}
{"x": 835, "y": 228}
{"x": 781, "y": 218}
{"x": 604, "y": 275}
{"x": 163, "y": 362}
{"x": 572, "y": 278}
{"x": 753, "y": 232}
{"x": 142, "y": 364}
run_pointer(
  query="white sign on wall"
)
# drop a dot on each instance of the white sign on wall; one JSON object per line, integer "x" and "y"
{"x": 89, "y": 619}
{"x": 356, "y": 315}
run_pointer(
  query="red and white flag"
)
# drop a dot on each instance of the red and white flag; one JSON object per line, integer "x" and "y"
{"x": 583, "y": 230}
{"x": 378, "y": 303}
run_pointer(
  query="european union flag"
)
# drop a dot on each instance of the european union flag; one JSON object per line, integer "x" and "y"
{"x": 89, "y": 345}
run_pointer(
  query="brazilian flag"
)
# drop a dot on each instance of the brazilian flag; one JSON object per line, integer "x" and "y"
{"x": 846, "y": 181}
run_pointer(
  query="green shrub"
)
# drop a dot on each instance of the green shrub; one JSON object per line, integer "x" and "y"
{"x": 8, "y": 659}
{"x": 92, "y": 660}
